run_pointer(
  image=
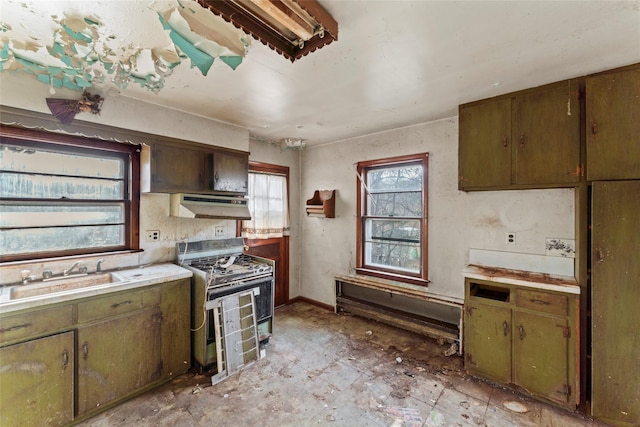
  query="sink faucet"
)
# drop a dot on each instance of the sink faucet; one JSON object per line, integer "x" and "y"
{"x": 26, "y": 277}
{"x": 70, "y": 269}
{"x": 99, "y": 266}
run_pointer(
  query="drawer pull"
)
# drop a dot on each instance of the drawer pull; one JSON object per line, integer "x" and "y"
{"x": 65, "y": 359}
{"x": 505, "y": 142}
{"x": 505, "y": 328}
{"x": 118, "y": 304}
{"x": 539, "y": 301}
{"x": 15, "y": 328}
{"x": 522, "y": 334}
{"x": 594, "y": 128}
{"x": 85, "y": 350}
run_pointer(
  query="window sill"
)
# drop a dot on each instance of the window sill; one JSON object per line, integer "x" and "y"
{"x": 395, "y": 277}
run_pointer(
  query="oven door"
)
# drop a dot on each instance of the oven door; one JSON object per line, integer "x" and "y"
{"x": 263, "y": 297}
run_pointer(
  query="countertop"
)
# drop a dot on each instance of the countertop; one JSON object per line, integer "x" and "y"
{"x": 135, "y": 277}
{"x": 566, "y": 284}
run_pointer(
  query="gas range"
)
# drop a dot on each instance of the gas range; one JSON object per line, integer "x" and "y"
{"x": 222, "y": 271}
{"x": 222, "y": 261}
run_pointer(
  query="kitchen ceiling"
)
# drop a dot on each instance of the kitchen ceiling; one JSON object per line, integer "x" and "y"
{"x": 395, "y": 63}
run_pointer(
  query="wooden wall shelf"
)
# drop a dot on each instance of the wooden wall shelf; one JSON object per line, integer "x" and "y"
{"x": 323, "y": 203}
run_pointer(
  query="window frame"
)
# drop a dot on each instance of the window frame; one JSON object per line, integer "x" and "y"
{"x": 130, "y": 153}
{"x": 420, "y": 278}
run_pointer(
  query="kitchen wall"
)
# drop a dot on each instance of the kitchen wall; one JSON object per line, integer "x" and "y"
{"x": 458, "y": 221}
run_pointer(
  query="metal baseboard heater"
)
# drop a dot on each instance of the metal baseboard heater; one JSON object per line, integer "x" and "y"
{"x": 209, "y": 206}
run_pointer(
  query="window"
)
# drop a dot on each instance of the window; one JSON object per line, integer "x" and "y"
{"x": 392, "y": 219}
{"x": 62, "y": 195}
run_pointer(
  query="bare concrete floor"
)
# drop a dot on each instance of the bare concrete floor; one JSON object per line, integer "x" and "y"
{"x": 324, "y": 369}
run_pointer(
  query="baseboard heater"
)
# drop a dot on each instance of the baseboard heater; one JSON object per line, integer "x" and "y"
{"x": 366, "y": 297}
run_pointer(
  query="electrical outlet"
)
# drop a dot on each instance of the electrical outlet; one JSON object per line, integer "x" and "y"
{"x": 219, "y": 231}
{"x": 511, "y": 238}
{"x": 153, "y": 235}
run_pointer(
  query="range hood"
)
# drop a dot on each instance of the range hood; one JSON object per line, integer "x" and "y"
{"x": 209, "y": 206}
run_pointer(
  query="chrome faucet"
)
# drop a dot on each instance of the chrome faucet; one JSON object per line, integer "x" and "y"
{"x": 26, "y": 277}
{"x": 70, "y": 269}
{"x": 99, "y": 266}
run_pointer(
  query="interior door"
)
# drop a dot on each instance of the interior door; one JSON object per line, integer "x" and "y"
{"x": 275, "y": 248}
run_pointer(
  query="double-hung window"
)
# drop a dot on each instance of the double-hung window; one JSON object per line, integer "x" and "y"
{"x": 63, "y": 195}
{"x": 392, "y": 218}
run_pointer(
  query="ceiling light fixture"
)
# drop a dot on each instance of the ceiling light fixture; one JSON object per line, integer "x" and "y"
{"x": 293, "y": 28}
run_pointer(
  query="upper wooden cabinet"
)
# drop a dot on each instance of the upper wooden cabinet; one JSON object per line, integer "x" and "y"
{"x": 613, "y": 125}
{"x": 528, "y": 139}
{"x": 193, "y": 168}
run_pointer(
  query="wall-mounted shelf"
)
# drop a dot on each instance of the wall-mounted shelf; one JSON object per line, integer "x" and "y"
{"x": 323, "y": 203}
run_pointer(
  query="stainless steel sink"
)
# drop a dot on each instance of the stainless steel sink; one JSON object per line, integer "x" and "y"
{"x": 64, "y": 283}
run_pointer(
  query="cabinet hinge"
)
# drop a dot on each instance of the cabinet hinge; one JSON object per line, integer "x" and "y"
{"x": 566, "y": 331}
{"x": 579, "y": 170}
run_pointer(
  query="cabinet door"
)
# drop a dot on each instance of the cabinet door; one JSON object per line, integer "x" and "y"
{"x": 485, "y": 144}
{"x": 118, "y": 356}
{"x": 230, "y": 172}
{"x": 615, "y": 294}
{"x": 36, "y": 382}
{"x": 546, "y": 135}
{"x": 487, "y": 341}
{"x": 176, "y": 332}
{"x": 541, "y": 355}
{"x": 613, "y": 126}
{"x": 177, "y": 169}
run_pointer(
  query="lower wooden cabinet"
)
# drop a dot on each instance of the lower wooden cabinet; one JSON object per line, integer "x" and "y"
{"x": 514, "y": 335}
{"x": 92, "y": 353}
{"x": 36, "y": 382}
{"x": 117, "y": 357}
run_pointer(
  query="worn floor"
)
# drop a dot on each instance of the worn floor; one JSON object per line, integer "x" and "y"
{"x": 324, "y": 369}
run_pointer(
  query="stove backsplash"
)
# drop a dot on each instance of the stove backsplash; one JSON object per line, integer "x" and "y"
{"x": 186, "y": 251}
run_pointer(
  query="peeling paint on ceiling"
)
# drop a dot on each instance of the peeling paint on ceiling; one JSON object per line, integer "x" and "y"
{"x": 63, "y": 47}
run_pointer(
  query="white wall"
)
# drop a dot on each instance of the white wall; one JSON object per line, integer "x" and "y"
{"x": 458, "y": 221}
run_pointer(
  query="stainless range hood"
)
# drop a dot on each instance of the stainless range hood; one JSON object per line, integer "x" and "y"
{"x": 209, "y": 206}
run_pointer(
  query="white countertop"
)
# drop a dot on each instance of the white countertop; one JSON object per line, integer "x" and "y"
{"x": 549, "y": 282}
{"x": 132, "y": 278}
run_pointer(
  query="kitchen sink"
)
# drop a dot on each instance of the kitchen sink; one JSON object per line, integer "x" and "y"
{"x": 64, "y": 283}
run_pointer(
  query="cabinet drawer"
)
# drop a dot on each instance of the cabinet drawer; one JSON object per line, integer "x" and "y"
{"x": 542, "y": 301}
{"x": 36, "y": 323}
{"x": 117, "y": 304}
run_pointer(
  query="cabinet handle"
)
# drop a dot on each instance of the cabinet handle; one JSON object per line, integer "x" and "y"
{"x": 521, "y": 331}
{"x": 599, "y": 255}
{"x": 594, "y": 128}
{"x": 539, "y": 301}
{"x": 14, "y": 328}
{"x": 523, "y": 139}
{"x": 505, "y": 328}
{"x": 65, "y": 359}
{"x": 118, "y": 304}
{"x": 85, "y": 350}
{"x": 505, "y": 142}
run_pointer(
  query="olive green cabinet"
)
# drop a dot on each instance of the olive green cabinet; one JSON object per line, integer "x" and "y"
{"x": 193, "y": 168}
{"x": 522, "y": 336}
{"x": 117, "y": 357}
{"x": 36, "y": 382}
{"x": 615, "y": 295}
{"x": 70, "y": 361}
{"x": 529, "y": 139}
{"x": 613, "y": 125}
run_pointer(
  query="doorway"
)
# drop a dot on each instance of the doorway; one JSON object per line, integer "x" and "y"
{"x": 267, "y": 233}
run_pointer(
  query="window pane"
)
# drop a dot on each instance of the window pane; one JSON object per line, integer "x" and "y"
{"x": 396, "y": 204}
{"x": 57, "y": 187}
{"x": 30, "y": 160}
{"x": 25, "y": 241}
{"x": 393, "y": 244}
{"x": 51, "y": 215}
{"x": 395, "y": 178}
